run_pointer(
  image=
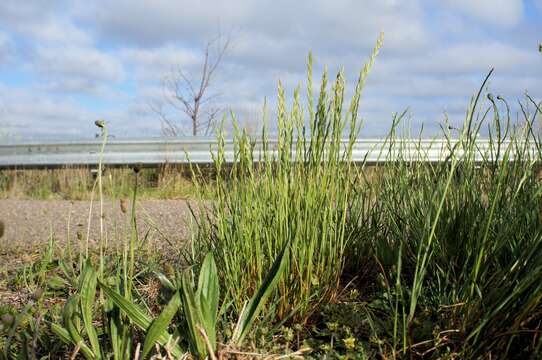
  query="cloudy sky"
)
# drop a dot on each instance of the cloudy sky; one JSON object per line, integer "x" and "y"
{"x": 64, "y": 64}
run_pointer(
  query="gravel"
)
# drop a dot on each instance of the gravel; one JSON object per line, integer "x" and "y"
{"x": 30, "y": 224}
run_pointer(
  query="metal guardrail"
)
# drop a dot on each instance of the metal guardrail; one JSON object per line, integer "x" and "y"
{"x": 181, "y": 151}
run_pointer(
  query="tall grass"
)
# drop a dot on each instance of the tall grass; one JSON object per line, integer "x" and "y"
{"x": 297, "y": 192}
{"x": 458, "y": 243}
{"x": 453, "y": 247}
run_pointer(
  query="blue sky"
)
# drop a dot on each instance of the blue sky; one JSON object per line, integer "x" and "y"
{"x": 64, "y": 64}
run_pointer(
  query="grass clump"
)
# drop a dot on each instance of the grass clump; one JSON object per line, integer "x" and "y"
{"x": 297, "y": 192}
{"x": 457, "y": 244}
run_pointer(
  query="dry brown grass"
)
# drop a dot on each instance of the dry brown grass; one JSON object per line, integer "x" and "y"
{"x": 76, "y": 183}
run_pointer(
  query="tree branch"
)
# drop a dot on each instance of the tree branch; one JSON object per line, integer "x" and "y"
{"x": 180, "y": 93}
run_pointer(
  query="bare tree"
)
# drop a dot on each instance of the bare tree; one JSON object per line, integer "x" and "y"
{"x": 190, "y": 94}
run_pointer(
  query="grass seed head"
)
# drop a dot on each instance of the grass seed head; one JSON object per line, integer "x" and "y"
{"x": 123, "y": 206}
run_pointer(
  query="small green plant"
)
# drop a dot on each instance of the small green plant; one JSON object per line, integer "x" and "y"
{"x": 201, "y": 306}
{"x": 200, "y": 309}
{"x": 78, "y": 316}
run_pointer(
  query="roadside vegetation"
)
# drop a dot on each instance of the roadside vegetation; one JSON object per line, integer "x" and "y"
{"x": 78, "y": 183}
{"x": 302, "y": 254}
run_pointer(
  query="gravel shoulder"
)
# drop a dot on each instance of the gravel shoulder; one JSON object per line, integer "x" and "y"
{"x": 30, "y": 224}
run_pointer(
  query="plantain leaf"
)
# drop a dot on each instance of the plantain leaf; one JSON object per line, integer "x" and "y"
{"x": 207, "y": 320}
{"x": 72, "y": 323}
{"x": 113, "y": 317}
{"x": 120, "y": 334}
{"x": 134, "y": 312}
{"x": 208, "y": 295}
{"x": 65, "y": 336}
{"x": 138, "y": 317}
{"x": 164, "y": 280}
{"x": 87, "y": 289}
{"x": 160, "y": 324}
{"x": 208, "y": 283}
{"x": 251, "y": 311}
{"x": 192, "y": 312}
{"x": 70, "y": 317}
{"x": 57, "y": 283}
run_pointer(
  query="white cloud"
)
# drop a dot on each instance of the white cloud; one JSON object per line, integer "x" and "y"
{"x": 77, "y": 55}
{"x": 27, "y": 113}
{"x": 497, "y": 12}
{"x": 468, "y": 58}
{"x": 157, "y": 21}
{"x": 338, "y": 23}
{"x": 42, "y": 21}
{"x": 152, "y": 64}
{"x": 81, "y": 69}
{"x": 78, "y": 62}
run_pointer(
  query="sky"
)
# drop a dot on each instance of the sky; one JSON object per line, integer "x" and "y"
{"x": 65, "y": 64}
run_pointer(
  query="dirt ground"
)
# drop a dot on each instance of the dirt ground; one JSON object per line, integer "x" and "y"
{"x": 30, "y": 224}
